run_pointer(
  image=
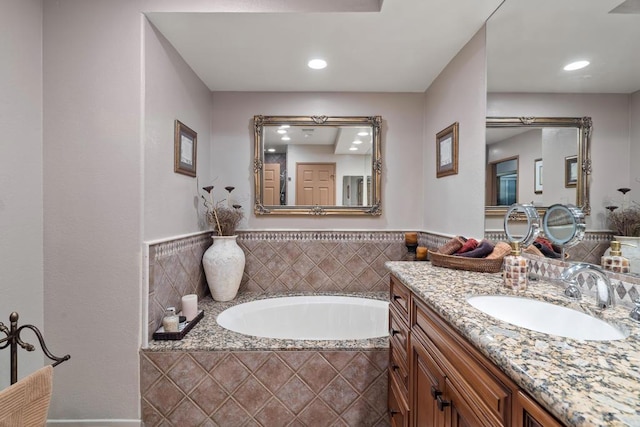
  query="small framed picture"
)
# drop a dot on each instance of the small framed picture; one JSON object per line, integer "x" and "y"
{"x": 537, "y": 176}
{"x": 185, "y": 149}
{"x": 570, "y": 171}
{"x": 447, "y": 151}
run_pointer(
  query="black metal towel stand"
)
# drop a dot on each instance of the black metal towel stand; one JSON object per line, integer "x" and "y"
{"x": 13, "y": 339}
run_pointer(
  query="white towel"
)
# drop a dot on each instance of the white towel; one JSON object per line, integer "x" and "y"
{"x": 26, "y": 403}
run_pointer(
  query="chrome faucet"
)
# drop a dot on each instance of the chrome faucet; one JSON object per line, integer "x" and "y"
{"x": 604, "y": 291}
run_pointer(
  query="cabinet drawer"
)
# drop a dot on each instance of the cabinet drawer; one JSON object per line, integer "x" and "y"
{"x": 484, "y": 386}
{"x": 398, "y": 406}
{"x": 398, "y": 369}
{"x": 398, "y": 333}
{"x": 399, "y": 298}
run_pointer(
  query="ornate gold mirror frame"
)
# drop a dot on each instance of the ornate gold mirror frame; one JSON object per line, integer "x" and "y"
{"x": 372, "y": 176}
{"x": 584, "y": 127}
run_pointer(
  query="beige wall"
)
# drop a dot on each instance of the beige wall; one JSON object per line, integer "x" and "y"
{"x": 634, "y": 138}
{"x": 172, "y": 91}
{"x": 455, "y": 204}
{"x": 232, "y": 154}
{"x": 610, "y": 138}
{"x": 21, "y": 259}
{"x": 93, "y": 204}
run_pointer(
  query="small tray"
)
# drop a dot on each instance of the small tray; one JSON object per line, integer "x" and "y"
{"x": 184, "y": 328}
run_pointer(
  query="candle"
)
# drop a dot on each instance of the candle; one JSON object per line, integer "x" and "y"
{"x": 190, "y": 306}
{"x": 411, "y": 238}
{"x": 421, "y": 253}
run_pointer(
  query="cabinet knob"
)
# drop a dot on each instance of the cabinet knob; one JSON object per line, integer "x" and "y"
{"x": 392, "y": 332}
{"x": 396, "y": 297}
{"x": 442, "y": 403}
{"x": 395, "y": 367}
{"x": 392, "y": 412}
{"x": 435, "y": 392}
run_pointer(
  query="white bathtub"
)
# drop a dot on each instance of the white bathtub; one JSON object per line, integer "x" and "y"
{"x": 309, "y": 318}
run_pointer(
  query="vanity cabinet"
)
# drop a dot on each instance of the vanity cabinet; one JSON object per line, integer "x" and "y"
{"x": 437, "y": 378}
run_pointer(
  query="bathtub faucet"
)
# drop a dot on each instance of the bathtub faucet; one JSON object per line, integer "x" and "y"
{"x": 604, "y": 288}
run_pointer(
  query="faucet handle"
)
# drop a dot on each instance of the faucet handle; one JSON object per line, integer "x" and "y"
{"x": 635, "y": 313}
{"x": 572, "y": 291}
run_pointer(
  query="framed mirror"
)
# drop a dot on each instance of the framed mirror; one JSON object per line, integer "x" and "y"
{"x": 527, "y": 158}
{"x": 317, "y": 165}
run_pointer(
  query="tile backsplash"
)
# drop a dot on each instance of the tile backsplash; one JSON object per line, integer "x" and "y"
{"x": 322, "y": 261}
{"x": 276, "y": 261}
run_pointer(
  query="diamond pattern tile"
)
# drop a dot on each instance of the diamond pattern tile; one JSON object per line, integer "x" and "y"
{"x": 317, "y": 372}
{"x": 230, "y": 372}
{"x": 187, "y": 373}
{"x": 296, "y": 394}
{"x": 264, "y": 388}
{"x": 187, "y": 414}
{"x": 209, "y": 395}
{"x": 274, "y": 413}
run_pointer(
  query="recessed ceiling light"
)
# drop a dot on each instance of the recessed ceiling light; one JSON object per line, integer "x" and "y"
{"x": 357, "y": 141}
{"x": 281, "y": 131}
{"x": 317, "y": 64}
{"x": 286, "y": 138}
{"x": 271, "y": 150}
{"x": 353, "y": 149}
{"x": 576, "y": 65}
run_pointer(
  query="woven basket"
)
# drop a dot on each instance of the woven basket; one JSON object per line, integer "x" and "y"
{"x": 481, "y": 265}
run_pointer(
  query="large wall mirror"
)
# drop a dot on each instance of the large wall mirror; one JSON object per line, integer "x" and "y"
{"x": 317, "y": 165}
{"x": 537, "y": 160}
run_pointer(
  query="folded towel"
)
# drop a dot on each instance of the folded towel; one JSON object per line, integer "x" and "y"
{"x": 531, "y": 249}
{"x": 484, "y": 248}
{"x": 546, "y": 250}
{"x": 452, "y": 245}
{"x": 469, "y": 245}
{"x": 500, "y": 250}
{"x": 26, "y": 403}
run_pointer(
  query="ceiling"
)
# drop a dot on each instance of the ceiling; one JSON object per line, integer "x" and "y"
{"x": 340, "y": 138}
{"x": 401, "y": 48}
{"x": 405, "y": 44}
{"x": 529, "y": 42}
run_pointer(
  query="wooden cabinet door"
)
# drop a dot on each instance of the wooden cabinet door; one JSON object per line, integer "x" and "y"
{"x": 427, "y": 388}
{"x": 529, "y": 414}
{"x": 458, "y": 412}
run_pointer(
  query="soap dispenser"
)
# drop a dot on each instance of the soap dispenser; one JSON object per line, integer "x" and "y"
{"x": 615, "y": 261}
{"x": 516, "y": 268}
{"x": 170, "y": 320}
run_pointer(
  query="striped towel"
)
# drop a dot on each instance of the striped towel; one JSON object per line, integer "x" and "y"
{"x": 26, "y": 403}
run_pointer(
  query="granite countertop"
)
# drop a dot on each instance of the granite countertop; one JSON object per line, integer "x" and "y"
{"x": 207, "y": 335}
{"x": 584, "y": 383}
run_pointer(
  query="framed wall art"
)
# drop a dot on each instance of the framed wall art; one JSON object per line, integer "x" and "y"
{"x": 570, "y": 171}
{"x": 447, "y": 151}
{"x": 185, "y": 149}
{"x": 537, "y": 176}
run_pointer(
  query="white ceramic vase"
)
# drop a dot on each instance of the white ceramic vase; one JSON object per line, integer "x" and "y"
{"x": 223, "y": 266}
{"x": 630, "y": 248}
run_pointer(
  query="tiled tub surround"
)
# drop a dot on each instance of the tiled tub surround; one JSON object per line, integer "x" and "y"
{"x": 217, "y": 377}
{"x": 276, "y": 261}
{"x": 583, "y": 383}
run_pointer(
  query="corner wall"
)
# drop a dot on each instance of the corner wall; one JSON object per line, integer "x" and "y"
{"x": 172, "y": 91}
{"x": 93, "y": 206}
{"x": 455, "y": 204}
{"x": 21, "y": 211}
{"x": 634, "y": 138}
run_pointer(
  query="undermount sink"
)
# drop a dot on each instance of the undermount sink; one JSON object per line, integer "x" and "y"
{"x": 541, "y": 316}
